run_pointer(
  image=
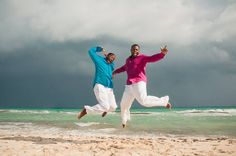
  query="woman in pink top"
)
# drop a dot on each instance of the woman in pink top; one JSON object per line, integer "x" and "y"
{"x": 135, "y": 68}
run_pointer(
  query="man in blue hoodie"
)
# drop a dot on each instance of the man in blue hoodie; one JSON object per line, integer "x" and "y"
{"x": 103, "y": 84}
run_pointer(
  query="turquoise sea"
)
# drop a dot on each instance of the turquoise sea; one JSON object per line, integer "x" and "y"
{"x": 198, "y": 121}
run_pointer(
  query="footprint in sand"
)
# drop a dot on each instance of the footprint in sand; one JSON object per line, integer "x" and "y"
{"x": 221, "y": 151}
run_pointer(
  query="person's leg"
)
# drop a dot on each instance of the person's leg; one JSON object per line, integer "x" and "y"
{"x": 125, "y": 104}
{"x": 111, "y": 101}
{"x": 140, "y": 93}
{"x": 82, "y": 113}
{"x": 102, "y": 97}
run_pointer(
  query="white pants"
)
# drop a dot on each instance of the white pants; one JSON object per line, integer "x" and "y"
{"x": 106, "y": 100}
{"x": 138, "y": 91}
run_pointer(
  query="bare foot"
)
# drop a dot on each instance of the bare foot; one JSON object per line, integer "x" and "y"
{"x": 123, "y": 125}
{"x": 169, "y": 105}
{"x": 104, "y": 114}
{"x": 82, "y": 113}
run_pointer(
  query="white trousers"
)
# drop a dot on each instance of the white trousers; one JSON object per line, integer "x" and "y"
{"x": 106, "y": 100}
{"x": 138, "y": 91}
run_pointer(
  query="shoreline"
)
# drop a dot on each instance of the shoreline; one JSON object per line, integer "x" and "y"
{"x": 20, "y": 143}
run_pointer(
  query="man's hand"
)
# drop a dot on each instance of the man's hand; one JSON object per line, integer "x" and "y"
{"x": 104, "y": 52}
{"x": 113, "y": 75}
{"x": 164, "y": 50}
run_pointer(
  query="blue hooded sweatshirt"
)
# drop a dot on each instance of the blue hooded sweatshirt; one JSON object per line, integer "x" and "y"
{"x": 103, "y": 70}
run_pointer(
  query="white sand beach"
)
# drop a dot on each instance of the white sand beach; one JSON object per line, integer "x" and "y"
{"x": 30, "y": 143}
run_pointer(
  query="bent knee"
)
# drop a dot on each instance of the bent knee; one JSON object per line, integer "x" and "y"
{"x": 142, "y": 101}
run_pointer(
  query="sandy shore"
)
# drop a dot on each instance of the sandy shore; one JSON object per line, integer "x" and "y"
{"x": 17, "y": 143}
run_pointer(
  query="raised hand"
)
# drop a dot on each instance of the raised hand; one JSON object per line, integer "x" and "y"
{"x": 104, "y": 52}
{"x": 164, "y": 50}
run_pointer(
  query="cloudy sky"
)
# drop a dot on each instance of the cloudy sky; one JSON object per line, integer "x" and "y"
{"x": 44, "y": 44}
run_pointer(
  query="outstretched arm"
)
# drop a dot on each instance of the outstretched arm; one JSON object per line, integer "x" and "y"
{"x": 118, "y": 70}
{"x": 155, "y": 58}
{"x": 158, "y": 56}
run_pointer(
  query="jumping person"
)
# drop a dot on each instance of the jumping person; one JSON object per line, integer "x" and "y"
{"x": 135, "y": 88}
{"x": 102, "y": 85}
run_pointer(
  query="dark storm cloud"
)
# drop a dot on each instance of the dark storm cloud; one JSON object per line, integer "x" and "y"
{"x": 61, "y": 75}
{"x": 45, "y": 74}
{"x": 205, "y": 76}
{"x": 49, "y": 75}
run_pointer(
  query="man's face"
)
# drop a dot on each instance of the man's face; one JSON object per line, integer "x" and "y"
{"x": 134, "y": 51}
{"x": 110, "y": 58}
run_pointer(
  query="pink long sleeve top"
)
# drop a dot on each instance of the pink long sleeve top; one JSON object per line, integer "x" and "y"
{"x": 135, "y": 67}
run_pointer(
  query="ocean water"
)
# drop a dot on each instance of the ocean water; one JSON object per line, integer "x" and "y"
{"x": 202, "y": 121}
